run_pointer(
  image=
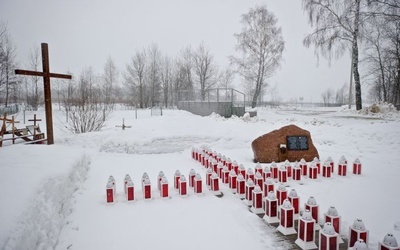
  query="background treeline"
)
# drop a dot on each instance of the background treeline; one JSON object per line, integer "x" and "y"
{"x": 369, "y": 30}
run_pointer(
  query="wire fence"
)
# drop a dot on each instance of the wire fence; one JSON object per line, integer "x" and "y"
{"x": 10, "y": 110}
{"x": 234, "y": 96}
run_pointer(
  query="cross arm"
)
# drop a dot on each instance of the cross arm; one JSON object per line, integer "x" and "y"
{"x": 55, "y": 75}
{"x": 36, "y": 73}
{"x": 28, "y": 72}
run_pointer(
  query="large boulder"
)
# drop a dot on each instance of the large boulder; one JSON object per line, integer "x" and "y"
{"x": 287, "y": 143}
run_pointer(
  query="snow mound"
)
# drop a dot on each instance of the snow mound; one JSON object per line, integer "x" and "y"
{"x": 217, "y": 117}
{"x": 379, "y": 108}
{"x": 41, "y": 224}
{"x": 161, "y": 145}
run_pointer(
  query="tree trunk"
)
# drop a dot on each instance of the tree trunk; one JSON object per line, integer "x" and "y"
{"x": 382, "y": 69}
{"x": 141, "y": 96}
{"x": 397, "y": 93}
{"x": 257, "y": 92}
{"x": 357, "y": 82}
{"x": 7, "y": 84}
{"x": 254, "y": 101}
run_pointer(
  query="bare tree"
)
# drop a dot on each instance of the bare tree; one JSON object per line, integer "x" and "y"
{"x": 109, "y": 83}
{"x": 167, "y": 79}
{"x": 32, "y": 83}
{"x": 185, "y": 65}
{"x": 68, "y": 93}
{"x": 336, "y": 26}
{"x": 226, "y": 78}
{"x": 205, "y": 69}
{"x": 375, "y": 56}
{"x": 135, "y": 77}
{"x": 393, "y": 53}
{"x": 154, "y": 70}
{"x": 184, "y": 70}
{"x": 341, "y": 94}
{"x": 382, "y": 53}
{"x": 7, "y": 63}
{"x": 327, "y": 96}
{"x": 261, "y": 45}
{"x": 387, "y": 9}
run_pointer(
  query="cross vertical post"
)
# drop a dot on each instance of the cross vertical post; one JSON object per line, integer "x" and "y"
{"x": 47, "y": 93}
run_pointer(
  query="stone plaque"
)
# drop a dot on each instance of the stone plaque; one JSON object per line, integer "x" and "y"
{"x": 297, "y": 142}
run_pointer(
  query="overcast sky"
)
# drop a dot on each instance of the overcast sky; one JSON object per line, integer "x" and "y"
{"x": 83, "y": 33}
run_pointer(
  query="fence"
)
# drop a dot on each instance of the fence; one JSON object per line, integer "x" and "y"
{"x": 223, "y": 101}
{"x": 10, "y": 110}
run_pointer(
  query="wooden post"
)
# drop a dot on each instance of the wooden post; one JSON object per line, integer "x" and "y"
{"x": 47, "y": 93}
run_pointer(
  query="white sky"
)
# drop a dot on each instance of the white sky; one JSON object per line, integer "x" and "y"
{"x": 84, "y": 33}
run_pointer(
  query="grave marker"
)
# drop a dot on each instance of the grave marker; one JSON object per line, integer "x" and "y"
{"x": 271, "y": 208}
{"x": 358, "y": 231}
{"x": 286, "y": 222}
{"x": 164, "y": 187}
{"x": 257, "y": 205}
{"x": 198, "y": 184}
{"x": 130, "y": 191}
{"x": 389, "y": 243}
{"x": 123, "y": 126}
{"x": 328, "y": 238}
{"x": 306, "y": 232}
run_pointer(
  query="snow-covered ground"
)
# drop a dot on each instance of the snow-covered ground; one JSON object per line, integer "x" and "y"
{"x": 54, "y": 197}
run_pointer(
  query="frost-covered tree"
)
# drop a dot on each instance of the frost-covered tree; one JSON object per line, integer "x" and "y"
{"x": 260, "y": 44}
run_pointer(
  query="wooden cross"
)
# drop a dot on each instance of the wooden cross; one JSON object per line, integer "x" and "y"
{"x": 34, "y": 120}
{"x": 4, "y": 119}
{"x": 47, "y": 90}
{"x": 3, "y": 127}
{"x": 12, "y": 122}
{"x": 123, "y": 125}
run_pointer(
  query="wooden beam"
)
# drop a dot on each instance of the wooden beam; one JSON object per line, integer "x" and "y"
{"x": 36, "y": 73}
